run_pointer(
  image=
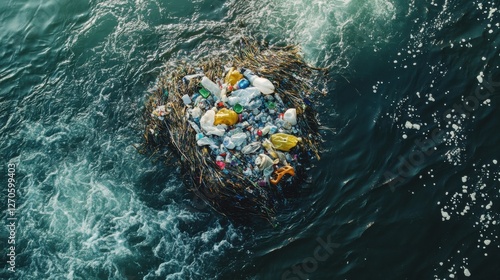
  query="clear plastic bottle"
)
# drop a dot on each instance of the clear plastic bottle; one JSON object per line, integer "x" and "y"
{"x": 242, "y": 84}
{"x": 264, "y": 85}
{"x": 228, "y": 143}
{"x": 211, "y": 86}
{"x": 186, "y": 99}
{"x": 243, "y": 96}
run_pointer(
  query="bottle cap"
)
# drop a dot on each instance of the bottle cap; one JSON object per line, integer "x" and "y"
{"x": 271, "y": 105}
{"x": 238, "y": 108}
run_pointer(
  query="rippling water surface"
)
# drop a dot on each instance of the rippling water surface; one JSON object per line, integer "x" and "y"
{"x": 407, "y": 188}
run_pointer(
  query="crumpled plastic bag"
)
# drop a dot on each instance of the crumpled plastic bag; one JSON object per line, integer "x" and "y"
{"x": 205, "y": 141}
{"x": 207, "y": 124}
{"x": 251, "y": 148}
{"x": 263, "y": 162}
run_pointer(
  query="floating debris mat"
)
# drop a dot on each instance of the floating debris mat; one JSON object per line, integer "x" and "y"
{"x": 241, "y": 126}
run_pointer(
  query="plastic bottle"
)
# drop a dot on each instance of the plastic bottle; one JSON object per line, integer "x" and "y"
{"x": 251, "y": 148}
{"x": 228, "y": 143}
{"x": 226, "y": 116}
{"x": 284, "y": 142}
{"x": 195, "y": 127}
{"x": 211, "y": 86}
{"x": 186, "y": 99}
{"x": 270, "y": 105}
{"x": 273, "y": 129}
{"x": 243, "y": 96}
{"x": 247, "y": 171}
{"x": 264, "y": 85}
{"x": 239, "y": 138}
{"x": 243, "y": 83}
{"x": 291, "y": 116}
{"x": 204, "y": 92}
{"x": 254, "y": 104}
{"x": 188, "y": 78}
{"x": 287, "y": 125}
{"x": 266, "y": 130}
{"x": 228, "y": 158}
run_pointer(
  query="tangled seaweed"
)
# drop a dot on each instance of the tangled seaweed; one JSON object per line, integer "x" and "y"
{"x": 231, "y": 193}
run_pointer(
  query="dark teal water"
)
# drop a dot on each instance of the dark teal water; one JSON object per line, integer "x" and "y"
{"x": 408, "y": 186}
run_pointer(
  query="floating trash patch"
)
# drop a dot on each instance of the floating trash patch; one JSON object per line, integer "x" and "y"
{"x": 242, "y": 127}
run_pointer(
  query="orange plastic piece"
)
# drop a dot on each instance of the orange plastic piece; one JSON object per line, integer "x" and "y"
{"x": 282, "y": 171}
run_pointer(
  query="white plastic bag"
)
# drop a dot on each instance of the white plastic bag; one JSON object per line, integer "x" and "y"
{"x": 211, "y": 86}
{"x": 290, "y": 116}
{"x": 205, "y": 141}
{"x": 207, "y": 124}
{"x": 196, "y": 112}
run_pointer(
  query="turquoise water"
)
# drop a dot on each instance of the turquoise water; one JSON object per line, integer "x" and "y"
{"x": 407, "y": 188}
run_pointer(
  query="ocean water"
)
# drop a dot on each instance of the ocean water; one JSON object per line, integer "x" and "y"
{"x": 408, "y": 183}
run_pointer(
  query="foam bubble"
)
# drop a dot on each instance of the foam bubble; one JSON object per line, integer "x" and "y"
{"x": 480, "y": 77}
{"x": 445, "y": 215}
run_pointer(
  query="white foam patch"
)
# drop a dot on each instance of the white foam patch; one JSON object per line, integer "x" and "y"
{"x": 474, "y": 196}
{"x": 321, "y": 27}
{"x": 89, "y": 221}
{"x": 480, "y": 77}
{"x": 83, "y": 216}
{"x": 475, "y": 201}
